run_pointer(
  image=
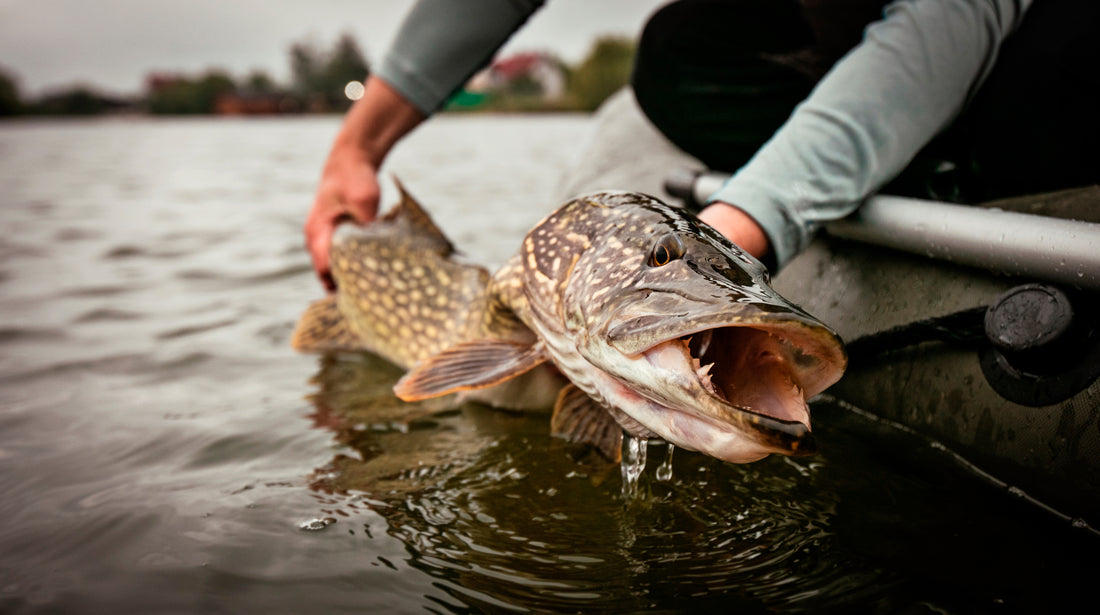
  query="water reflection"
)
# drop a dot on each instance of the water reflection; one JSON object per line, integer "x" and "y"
{"x": 503, "y": 518}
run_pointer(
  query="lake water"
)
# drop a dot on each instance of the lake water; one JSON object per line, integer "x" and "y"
{"x": 163, "y": 450}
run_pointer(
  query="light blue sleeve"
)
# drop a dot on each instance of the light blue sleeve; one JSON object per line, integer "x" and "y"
{"x": 869, "y": 116}
{"x": 442, "y": 43}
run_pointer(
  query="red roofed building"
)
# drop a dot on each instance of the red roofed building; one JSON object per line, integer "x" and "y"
{"x": 536, "y": 70}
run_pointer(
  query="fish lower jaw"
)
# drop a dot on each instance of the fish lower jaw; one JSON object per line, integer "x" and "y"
{"x": 695, "y": 433}
{"x": 643, "y": 417}
{"x": 737, "y": 411}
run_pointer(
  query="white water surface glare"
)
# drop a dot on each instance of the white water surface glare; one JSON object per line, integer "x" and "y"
{"x": 162, "y": 449}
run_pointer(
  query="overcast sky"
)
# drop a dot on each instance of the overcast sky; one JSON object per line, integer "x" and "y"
{"x": 112, "y": 44}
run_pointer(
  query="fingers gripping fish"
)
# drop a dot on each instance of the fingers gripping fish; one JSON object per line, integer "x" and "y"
{"x": 659, "y": 325}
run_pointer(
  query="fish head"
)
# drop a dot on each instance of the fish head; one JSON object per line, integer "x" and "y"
{"x": 680, "y": 332}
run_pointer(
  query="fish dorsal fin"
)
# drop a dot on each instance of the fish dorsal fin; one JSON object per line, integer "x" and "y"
{"x": 322, "y": 327}
{"x": 418, "y": 223}
{"x": 580, "y": 419}
{"x": 469, "y": 365}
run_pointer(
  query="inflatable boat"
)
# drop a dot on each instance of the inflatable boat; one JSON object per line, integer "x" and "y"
{"x": 974, "y": 327}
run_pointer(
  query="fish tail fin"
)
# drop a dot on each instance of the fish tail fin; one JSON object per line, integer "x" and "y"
{"x": 322, "y": 327}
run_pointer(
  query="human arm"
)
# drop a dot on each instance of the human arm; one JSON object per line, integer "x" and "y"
{"x": 739, "y": 227}
{"x": 442, "y": 43}
{"x": 868, "y": 117}
{"x": 439, "y": 45}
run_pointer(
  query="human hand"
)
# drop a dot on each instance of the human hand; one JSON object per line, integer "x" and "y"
{"x": 738, "y": 226}
{"x": 349, "y": 183}
{"x": 348, "y": 192}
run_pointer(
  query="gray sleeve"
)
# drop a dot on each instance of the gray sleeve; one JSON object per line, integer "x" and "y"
{"x": 443, "y": 42}
{"x": 869, "y": 116}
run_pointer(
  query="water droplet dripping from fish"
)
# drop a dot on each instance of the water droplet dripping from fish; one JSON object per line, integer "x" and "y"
{"x": 664, "y": 471}
{"x": 632, "y": 465}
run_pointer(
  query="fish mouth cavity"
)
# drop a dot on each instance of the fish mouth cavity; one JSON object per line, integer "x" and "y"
{"x": 753, "y": 379}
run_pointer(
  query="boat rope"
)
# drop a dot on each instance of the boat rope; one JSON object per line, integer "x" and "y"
{"x": 1048, "y": 357}
{"x": 964, "y": 328}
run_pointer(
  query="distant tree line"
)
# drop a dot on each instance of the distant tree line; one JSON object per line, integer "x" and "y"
{"x": 72, "y": 101}
{"x": 9, "y": 95}
{"x": 318, "y": 79}
{"x": 78, "y": 100}
{"x": 181, "y": 95}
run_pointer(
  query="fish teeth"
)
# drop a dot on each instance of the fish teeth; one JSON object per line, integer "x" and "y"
{"x": 704, "y": 371}
{"x": 705, "y": 378}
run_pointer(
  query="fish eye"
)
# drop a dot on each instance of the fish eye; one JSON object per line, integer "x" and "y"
{"x": 667, "y": 249}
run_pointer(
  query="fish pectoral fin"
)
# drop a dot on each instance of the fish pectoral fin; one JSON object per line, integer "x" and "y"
{"x": 470, "y": 365}
{"x": 580, "y": 419}
{"x": 322, "y": 327}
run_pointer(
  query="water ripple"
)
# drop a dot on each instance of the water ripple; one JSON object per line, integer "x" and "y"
{"x": 10, "y": 335}
{"x": 107, "y": 315}
{"x": 233, "y": 280}
{"x": 98, "y": 291}
{"x": 115, "y": 364}
{"x": 132, "y": 251}
{"x": 195, "y": 329}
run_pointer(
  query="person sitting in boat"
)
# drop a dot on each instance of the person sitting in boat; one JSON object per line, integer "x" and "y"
{"x": 816, "y": 104}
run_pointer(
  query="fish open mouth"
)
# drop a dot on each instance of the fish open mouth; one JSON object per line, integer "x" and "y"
{"x": 744, "y": 381}
{"x": 750, "y": 369}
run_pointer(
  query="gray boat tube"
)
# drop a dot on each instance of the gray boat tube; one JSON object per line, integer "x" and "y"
{"x": 1039, "y": 247}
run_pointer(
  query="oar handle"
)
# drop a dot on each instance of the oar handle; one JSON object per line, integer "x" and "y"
{"x": 694, "y": 187}
{"x": 1039, "y": 247}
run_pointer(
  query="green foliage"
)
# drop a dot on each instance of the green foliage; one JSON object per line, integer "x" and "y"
{"x": 319, "y": 76}
{"x": 606, "y": 69}
{"x": 78, "y": 100}
{"x": 210, "y": 86}
{"x": 346, "y": 63}
{"x": 260, "y": 82}
{"x": 9, "y": 95}
{"x": 190, "y": 96}
{"x": 305, "y": 68}
{"x": 525, "y": 85}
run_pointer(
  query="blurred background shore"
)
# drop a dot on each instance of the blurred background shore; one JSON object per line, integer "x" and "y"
{"x": 58, "y": 58}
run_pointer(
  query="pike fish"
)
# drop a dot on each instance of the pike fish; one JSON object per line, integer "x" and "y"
{"x": 621, "y": 312}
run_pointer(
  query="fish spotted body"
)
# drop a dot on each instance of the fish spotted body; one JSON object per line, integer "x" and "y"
{"x": 659, "y": 325}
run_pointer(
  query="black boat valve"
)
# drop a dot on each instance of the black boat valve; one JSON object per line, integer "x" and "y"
{"x": 1031, "y": 327}
{"x": 1042, "y": 350}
